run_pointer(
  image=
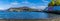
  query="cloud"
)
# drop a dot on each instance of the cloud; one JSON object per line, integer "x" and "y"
{"x": 33, "y": 7}
{"x": 41, "y": 7}
{"x": 1, "y": 8}
{"x": 45, "y": 1}
{"x": 33, "y": 4}
{"x": 4, "y": 7}
{"x": 26, "y": 2}
{"x": 14, "y": 3}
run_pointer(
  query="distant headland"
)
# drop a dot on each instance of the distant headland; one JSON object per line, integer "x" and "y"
{"x": 24, "y": 8}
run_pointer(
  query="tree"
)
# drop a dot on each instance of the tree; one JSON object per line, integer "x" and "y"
{"x": 54, "y": 3}
{"x": 58, "y": 2}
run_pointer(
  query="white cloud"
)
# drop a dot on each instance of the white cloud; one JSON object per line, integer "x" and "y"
{"x": 25, "y": 2}
{"x": 32, "y": 4}
{"x": 14, "y": 3}
{"x": 44, "y": 1}
{"x": 41, "y": 7}
{"x": 33, "y": 7}
{"x": 4, "y": 7}
{"x": 1, "y": 8}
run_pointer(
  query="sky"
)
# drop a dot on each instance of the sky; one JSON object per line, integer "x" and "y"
{"x": 36, "y": 4}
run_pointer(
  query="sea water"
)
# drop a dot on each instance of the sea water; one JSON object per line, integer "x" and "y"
{"x": 23, "y": 15}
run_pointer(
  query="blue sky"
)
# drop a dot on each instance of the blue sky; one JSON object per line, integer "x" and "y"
{"x": 37, "y": 4}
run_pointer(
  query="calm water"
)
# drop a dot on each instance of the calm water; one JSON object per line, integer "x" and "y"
{"x": 23, "y": 15}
